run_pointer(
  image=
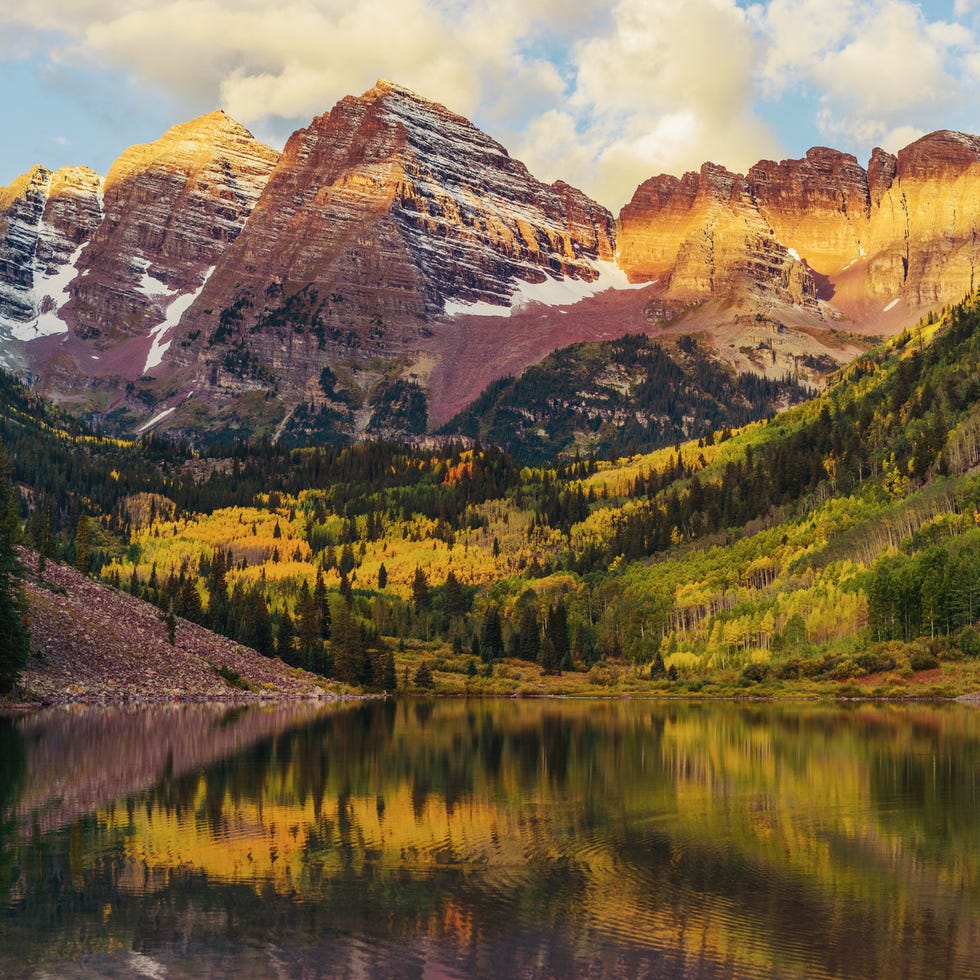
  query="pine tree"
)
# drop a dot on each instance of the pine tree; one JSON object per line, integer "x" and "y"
{"x": 307, "y": 628}
{"x": 491, "y": 636}
{"x": 284, "y": 639}
{"x": 218, "y": 594}
{"x": 14, "y": 636}
{"x": 83, "y": 554}
{"x": 421, "y": 599}
{"x": 322, "y": 606}
{"x": 454, "y": 597}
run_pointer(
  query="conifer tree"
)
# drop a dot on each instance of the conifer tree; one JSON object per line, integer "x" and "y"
{"x": 322, "y": 606}
{"x": 14, "y": 636}
{"x": 421, "y": 599}
{"x": 83, "y": 555}
{"x": 491, "y": 636}
{"x": 308, "y": 629}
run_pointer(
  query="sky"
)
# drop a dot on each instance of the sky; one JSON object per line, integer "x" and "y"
{"x": 601, "y": 95}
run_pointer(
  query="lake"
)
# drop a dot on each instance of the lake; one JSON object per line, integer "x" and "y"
{"x": 492, "y": 839}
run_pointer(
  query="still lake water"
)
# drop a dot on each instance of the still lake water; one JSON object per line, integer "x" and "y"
{"x": 492, "y": 839}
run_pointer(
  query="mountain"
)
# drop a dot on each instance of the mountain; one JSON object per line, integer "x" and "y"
{"x": 394, "y": 261}
{"x": 98, "y": 271}
{"x": 613, "y": 398}
{"x": 900, "y": 235}
{"x": 383, "y": 214}
{"x": 45, "y": 220}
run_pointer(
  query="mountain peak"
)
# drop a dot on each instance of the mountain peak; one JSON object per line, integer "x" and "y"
{"x": 384, "y": 86}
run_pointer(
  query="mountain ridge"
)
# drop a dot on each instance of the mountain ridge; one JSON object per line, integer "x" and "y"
{"x": 207, "y": 282}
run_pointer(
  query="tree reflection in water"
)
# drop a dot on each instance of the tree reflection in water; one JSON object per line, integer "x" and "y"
{"x": 536, "y": 839}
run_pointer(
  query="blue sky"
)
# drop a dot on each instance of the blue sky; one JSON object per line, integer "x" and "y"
{"x": 602, "y": 99}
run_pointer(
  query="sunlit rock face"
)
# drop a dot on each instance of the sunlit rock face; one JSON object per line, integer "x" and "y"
{"x": 923, "y": 241}
{"x": 392, "y": 205}
{"x": 170, "y": 209}
{"x": 903, "y": 230}
{"x": 703, "y": 234}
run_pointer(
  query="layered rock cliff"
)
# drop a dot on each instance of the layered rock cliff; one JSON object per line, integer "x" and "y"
{"x": 378, "y": 213}
{"x": 45, "y": 220}
{"x": 703, "y": 235}
{"x": 902, "y": 232}
{"x": 170, "y": 209}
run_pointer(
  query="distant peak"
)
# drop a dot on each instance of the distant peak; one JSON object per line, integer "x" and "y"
{"x": 384, "y": 86}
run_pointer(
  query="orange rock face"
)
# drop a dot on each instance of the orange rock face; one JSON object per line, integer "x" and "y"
{"x": 703, "y": 235}
{"x": 904, "y": 229}
{"x": 170, "y": 210}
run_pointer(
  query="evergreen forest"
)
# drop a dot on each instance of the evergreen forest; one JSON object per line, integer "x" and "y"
{"x": 833, "y": 547}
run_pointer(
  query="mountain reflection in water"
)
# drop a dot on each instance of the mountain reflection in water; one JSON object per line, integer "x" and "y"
{"x": 443, "y": 839}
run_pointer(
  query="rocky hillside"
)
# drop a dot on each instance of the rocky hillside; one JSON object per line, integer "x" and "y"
{"x": 90, "y": 642}
{"x": 97, "y": 272}
{"x": 615, "y": 398}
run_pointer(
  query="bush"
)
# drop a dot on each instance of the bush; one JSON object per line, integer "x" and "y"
{"x": 968, "y": 641}
{"x": 754, "y": 673}
{"x": 922, "y": 658}
{"x": 846, "y": 669}
{"x": 233, "y": 677}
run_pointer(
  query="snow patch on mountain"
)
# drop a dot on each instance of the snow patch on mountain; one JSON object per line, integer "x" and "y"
{"x": 552, "y": 292}
{"x": 49, "y": 295}
{"x": 161, "y": 336}
{"x": 159, "y": 417}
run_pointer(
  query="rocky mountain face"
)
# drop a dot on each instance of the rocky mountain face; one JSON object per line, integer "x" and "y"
{"x": 113, "y": 263}
{"x": 379, "y": 214}
{"x": 899, "y": 234}
{"x": 45, "y": 219}
{"x": 394, "y": 260}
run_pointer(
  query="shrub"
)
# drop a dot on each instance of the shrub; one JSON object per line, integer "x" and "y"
{"x": 754, "y": 673}
{"x": 233, "y": 677}
{"x": 968, "y": 641}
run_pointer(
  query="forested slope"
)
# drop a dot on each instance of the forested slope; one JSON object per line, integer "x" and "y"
{"x": 836, "y": 544}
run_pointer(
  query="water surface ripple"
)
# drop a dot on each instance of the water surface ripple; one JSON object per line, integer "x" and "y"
{"x": 461, "y": 839}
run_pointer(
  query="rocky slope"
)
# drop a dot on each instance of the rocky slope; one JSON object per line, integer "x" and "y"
{"x": 90, "y": 642}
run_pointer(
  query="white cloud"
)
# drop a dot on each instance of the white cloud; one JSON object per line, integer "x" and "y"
{"x": 665, "y": 87}
{"x": 620, "y": 91}
{"x": 878, "y": 70}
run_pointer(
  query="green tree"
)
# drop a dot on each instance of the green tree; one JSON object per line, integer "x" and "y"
{"x": 284, "y": 639}
{"x": 421, "y": 598}
{"x": 307, "y": 628}
{"x": 491, "y": 636}
{"x": 14, "y": 636}
{"x": 322, "y": 606}
{"x": 83, "y": 553}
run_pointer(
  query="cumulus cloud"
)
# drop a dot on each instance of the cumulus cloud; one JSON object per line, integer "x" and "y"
{"x": 878, "y": 70}
{"x": 621, "y": 91}
{"x": 667, "y": 86}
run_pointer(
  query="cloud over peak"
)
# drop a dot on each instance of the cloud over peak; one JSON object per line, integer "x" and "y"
{"x": 626, "y": 89}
